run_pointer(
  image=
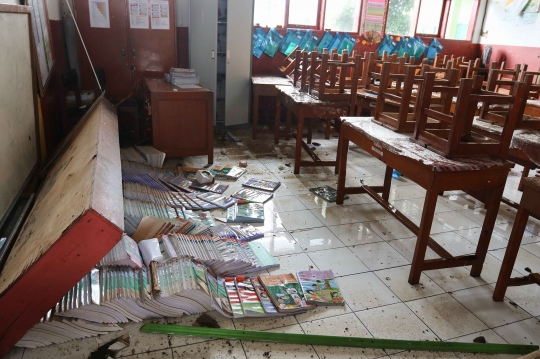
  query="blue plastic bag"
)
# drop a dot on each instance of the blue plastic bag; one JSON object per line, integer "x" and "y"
{"x": 259, "y": 42}
{"x": 347, "y": 43}
{"x": 291, "y": 40}
{"x": 387, "y": 44}
{"x": 325, "y": 41}
{"x": 273, "y": 41}
{"x": 336, "y": 41}
{"x": 309, "y": 41}
{"x": 433, "y": 48}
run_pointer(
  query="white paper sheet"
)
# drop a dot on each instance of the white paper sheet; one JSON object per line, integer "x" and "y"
{"x": 99, "y": 13}
{"x": 138, "y": 14}
{"x": 159, "y": 13}
{"x": 189, "y": 86}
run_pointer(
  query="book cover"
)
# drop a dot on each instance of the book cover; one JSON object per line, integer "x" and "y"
{"x": 251, "y": 304}
{"x": 285, "y": 292}
{"x": 234, "y": 298}
{"x": 246, "y": 213}
{"x": 320, "y": 287}
{"x": 326, "y": 192}
{"x": 261, "y": 184}
{"x": 267, "y": 304}
{"x": 264, "y": 258}
{"x": 247, "y": 233}
{"x": 217, "y": 199}
{"x": 228, "y": 172}
{"x": 252, "y": 195}
{"x": 210, "y": 187}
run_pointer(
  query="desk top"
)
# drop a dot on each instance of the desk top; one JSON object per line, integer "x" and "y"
{"x": 160, "y": 85}
{"x": 304, "y": 98}
{"x": 527, "y": 141}
{"x": 270, "y": 80}
{"x": 400, "y": 144}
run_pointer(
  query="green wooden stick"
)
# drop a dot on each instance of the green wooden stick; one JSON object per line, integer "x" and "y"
{"x": 339, "y": 341}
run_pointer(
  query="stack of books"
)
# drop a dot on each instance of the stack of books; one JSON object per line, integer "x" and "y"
{"x": 125, "y": 253}
{"x": 130, "y": 167}
{"x": 154, "y": 158}
{"x": 180, "y": 76}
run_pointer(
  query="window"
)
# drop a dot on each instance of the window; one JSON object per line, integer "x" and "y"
{"x": 337, "y": 15}
{"x": 453, "y": 19}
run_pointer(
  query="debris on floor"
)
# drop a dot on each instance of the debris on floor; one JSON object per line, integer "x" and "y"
{"x": 111, "y": 349}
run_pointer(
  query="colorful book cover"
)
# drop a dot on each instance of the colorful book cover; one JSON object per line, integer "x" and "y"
{"x": 252, "y": 195}
{"x": 218, "y": 199}
{"x": 326, "y": 192}
{"x": 261, "y": 184}
{"x": 223, "y": 297}
{"x": 251, "y": 304}
{"x": 246, "y": 213}
{"x": 285, "y": 292}
{"x": 267, "y": 304}
{"x": 210, "y": 187}
{"x": 320, "y": 287}
{"x": 228, "y": 171}
{"x": 234, "y": 298}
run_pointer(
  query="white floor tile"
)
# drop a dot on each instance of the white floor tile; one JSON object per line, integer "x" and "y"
{"x": 451, "y": 279}
{"x": 311, "y": 201}
{"x": 491, "y": 337}
{"x": 369, "y": 212}
{"x": 180, "y": 340}
{"x": 217, "y": 349}
{"x": 347, "y": 325}
{"x": 395, "y": 321}
{"x": 454, "y": 244}
{"x": 389, "y": 229}
{"x": 342, "y": 261}
{"x": 455, "y": 221}
{"x": 524, "y": 260}
{"x": 293, "y": 263}
{"x": 299, "y": 220}
{"x": 406, "y": 247}
{"x": 396, "y": 279}
{"x": 379, "y": 255}
{"x": 446, "y": 317}
{"x": 332, "y": 216}
{"x": 280, "y": 243}
{"x": 316, "y": 239}
{"x": 281, "y": 350}
{"x": 159, "y": 354}
{"x": 473, "y": 235}
{"x": 479, "y": 301}
{"x": 284, "y": 204}
{"x": 353, "y": 234}
{"x": 524, "y": 332}
{"x": 366, "y": 290}
{"x": 526, "y": 296}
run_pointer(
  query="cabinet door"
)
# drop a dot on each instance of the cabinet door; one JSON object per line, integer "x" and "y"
{"x": 203, "y": 40}
{"x": 238, "y": 75}
{"x": 153, "y": 50}
{"x": 107, "y": 47}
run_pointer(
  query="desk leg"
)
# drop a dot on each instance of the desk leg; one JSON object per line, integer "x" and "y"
{"x": 299, "y": 139}
{"x": 341, "y": 167}
{"x": 423, "y": 235}
{"x": 510, "y": 255}
{"x": 387, "y": 183}
{"x": 492, "y": 208}
{"x": 309, "y": 130}
{"x": 255, "y": 114}
{"x": 278, "y": 118}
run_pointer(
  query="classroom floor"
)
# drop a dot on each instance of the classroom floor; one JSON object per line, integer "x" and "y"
{"x": 370, "y": 253}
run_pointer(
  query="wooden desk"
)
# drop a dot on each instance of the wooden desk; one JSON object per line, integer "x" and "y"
{"x": 530, "y": 203}
{"x": 533, "y": 108}
{"x": 305, "y": 106}
{"x": 182, "y": 119}
{"x": 434, "y": 173}
{"x": 265, "y": 86}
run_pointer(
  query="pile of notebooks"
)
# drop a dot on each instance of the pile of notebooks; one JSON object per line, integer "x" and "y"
{"x": 143, "y": 154}
{"x": 179, "y": 76}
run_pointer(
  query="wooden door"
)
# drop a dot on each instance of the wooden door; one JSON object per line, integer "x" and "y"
{"x": 238, "y": 70}
{"x": 153, "y": 50}
{"x": 108, "y": 48}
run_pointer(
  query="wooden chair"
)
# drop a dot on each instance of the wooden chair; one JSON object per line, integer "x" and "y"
{"x": 392, "y": 93}
{"x": 470, "y": 69}
{"x": 459, "y": 140}
{"x": 497, "y": 114}
{"x": 530, "y": 204}
{"x": 534, "y": 93}
{"x": 288, "y": 64}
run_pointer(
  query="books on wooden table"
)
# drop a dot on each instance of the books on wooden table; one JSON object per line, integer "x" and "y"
{"x": 246, "y": 213}
{"x": 261, "y": 184}
{"x": 326, "y": 192}
{"x": 285, "y": 292}
{"x": 320, "y": 287}
{"x": 252, "y": 195}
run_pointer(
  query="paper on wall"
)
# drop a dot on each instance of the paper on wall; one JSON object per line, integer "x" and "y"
{"x": 159, "y": 14}
{"x": 99, "y": 13}
{"x": 138, "y": 14}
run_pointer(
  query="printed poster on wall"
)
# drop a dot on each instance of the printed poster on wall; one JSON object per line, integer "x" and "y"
{"x": 138, "y": 14}
{"x": 42, "y": 43}
{"x": 159, "y": 14}
{"x": 99, "y": 13}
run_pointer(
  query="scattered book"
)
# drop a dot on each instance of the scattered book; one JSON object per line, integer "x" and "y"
{"x": 189, "y": 172}
{"x": 264, "y": 259}
{"x": 320, "y": 287}
{"x": 124, "y": 253}
{"x": 228, "y": 172}
{"x": 269, "y": 307}
{"x": 252, "y": 195}
{"x": 262, "y": 184}
{"x": 246, "y": 233}
{"x": 285, "y": 293}
{"x": 246, "y": 213}
{"x": 155, "y": 158}
{"x": 210, "y": 187}
{"x": 218, "y": 200}
{"x": 251, "y": 305}
{"x": 326, "y": 192}
{"x": 234, "y": 297}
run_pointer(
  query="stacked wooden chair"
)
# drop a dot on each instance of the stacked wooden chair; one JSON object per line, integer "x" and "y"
{"x": 459, "y": 139}
{"x": 288, "y": 65}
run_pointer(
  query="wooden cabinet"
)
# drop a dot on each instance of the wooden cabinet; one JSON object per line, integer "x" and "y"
{"x": 182, "y": 119}
{"x": 126, "y": 54}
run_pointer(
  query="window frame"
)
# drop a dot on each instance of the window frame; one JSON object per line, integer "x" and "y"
{"x": 303, "y": 26}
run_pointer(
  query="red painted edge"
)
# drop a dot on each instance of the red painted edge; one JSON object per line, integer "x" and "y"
{"x": 38, "y": 289}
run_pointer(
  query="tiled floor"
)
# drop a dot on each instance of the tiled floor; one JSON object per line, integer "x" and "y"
{"x": 370, "y": 252}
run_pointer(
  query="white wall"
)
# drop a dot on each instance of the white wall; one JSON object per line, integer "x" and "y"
{"x": 12, "y": 2}
{"x": 182, "y": 13}
{"x": 53, "y": 8}
{"x": 500, "y": 29}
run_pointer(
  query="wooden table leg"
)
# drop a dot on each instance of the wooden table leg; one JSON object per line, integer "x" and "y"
{"x": 524, "y": 174}
{"x": 299, "y": 139}
{"x": 492, "y": 208}
{"x": 327, "y": 129}
{"x": 278, "y": 117}
{"x": 341, "y": 167}
{"x": 510, "y": 255}
{"x": 423, "y": 234}
{"x": 387, "y": 183}
{"x": 309, "y": 130}
{"x": 255, "y": 113}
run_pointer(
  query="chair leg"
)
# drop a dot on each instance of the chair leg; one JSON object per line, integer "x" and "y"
{"x": 328, "y": 128}
{"x": 524, "y": 174}
{"x": 510, "y": 255}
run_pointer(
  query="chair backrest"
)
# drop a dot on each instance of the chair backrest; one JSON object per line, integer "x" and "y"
{"x": 470, "y": 68}
{"x": 534, "y": 91}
